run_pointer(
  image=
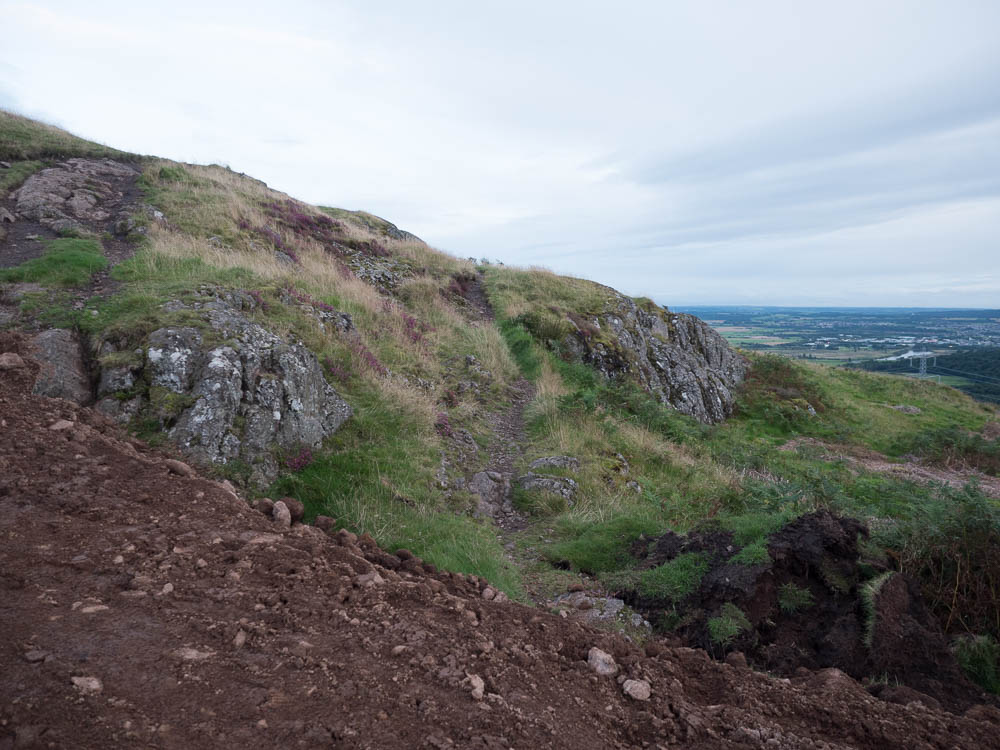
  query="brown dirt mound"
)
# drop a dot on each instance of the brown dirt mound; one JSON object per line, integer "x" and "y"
{"x": 816, "y": 553}
{"x": 144, "y": 607}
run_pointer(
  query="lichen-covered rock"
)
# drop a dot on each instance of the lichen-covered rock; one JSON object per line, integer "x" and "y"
{"x": 562, "y": 486}
{"x": 230, "y": 389}
{"x": 493, "y": 491}
{"x": 559, "y": 462}
{"x": 675, "y": 356}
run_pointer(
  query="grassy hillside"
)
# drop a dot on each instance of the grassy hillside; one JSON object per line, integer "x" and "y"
{"x": 643, "y": 468}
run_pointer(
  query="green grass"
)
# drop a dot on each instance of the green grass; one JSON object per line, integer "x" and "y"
{"x": 869, "y": 604}
{"x": 727, "y": 625}
{"x": 753, "y": 554}
{"x": 600, "y": 547}
{"x": 792, "y": 598}
{"x": 24, "y": 139}
{"x": 18, "y": 172}
{"x": 674, "y": 580}
{"x": 66, "y": 262}
{"x": 979, "y": 657}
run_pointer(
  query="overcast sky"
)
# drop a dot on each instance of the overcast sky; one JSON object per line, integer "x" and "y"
{"x": 798, "y": 153}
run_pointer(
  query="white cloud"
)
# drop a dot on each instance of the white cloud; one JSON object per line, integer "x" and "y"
{"x": 701, "y": 151}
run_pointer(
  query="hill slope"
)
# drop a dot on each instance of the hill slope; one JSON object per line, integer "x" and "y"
{"x": 545, "y": 433}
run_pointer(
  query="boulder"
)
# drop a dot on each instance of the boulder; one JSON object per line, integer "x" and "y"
{"x": 562, "y": 486}
{"x": 63, "y": 373}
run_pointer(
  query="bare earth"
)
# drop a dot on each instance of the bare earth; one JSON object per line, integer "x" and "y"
{"x": 143, "y": 607}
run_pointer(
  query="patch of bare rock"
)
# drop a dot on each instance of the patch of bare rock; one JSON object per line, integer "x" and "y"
{"x": 146, "y": 607}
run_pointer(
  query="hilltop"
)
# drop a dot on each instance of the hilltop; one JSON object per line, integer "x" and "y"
{"x": 608, "y": 462}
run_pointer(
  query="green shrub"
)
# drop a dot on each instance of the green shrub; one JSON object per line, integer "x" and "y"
{"x": 979, "y": 657}
{"x": 675, "y": 579}
{"x": 728, "y": 625}
{"x": 792, "y": 598}
{"x": 66, "y": 262}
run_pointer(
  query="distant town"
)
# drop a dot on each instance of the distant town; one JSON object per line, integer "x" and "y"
{"x": 960, "y": 348}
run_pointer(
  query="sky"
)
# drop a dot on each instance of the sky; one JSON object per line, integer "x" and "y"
{"x": 696, "y": 152}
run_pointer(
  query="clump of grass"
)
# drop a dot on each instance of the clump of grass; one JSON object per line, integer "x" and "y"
{"x": 674, "y": 580}
{"x": 600, "y": 547}
{"x": 727, "y": 625}
{"x": 752, "y": 554}
{"x": 869, "y": 603}
{"x": 792, "y": 598}
{"x": 979, "y": 657}
{"x": 66, "y": 262}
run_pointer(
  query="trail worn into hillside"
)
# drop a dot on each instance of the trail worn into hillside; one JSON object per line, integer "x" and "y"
{"x": 144, "y": 606}
{"x": 909, "y": 470}
{"x": 493, "y": 484}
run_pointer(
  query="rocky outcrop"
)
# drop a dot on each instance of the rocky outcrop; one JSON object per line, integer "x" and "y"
{"x": 76, "y": 193}
{"x": 675, "y": 356}
{"x": 224, "y": 390}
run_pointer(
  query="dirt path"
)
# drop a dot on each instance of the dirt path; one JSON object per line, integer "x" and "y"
{"x": 493, "y": 485}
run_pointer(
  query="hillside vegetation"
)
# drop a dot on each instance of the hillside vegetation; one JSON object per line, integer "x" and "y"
{"x": 427, "y": 372}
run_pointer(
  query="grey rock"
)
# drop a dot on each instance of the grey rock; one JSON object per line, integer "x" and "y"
{"x": 5, "y": 216}
{"x": 248, "y": 397}
{"x": 493, "y": 494}
{"x": 558, "y": 462}
{"x": 78, "y": 190}
{"x": 563, "y": 486}
{"x": 637, "y": 689}
{"x": 678, "y": 358}
{"x": 114, "y": 379}
{"x": 120, "y": 411}
{"x": 601, "y": 662}
{"x": 906, "y": 408}
{"x": 63, "y": 373}
{"x": 172, "y": 356}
